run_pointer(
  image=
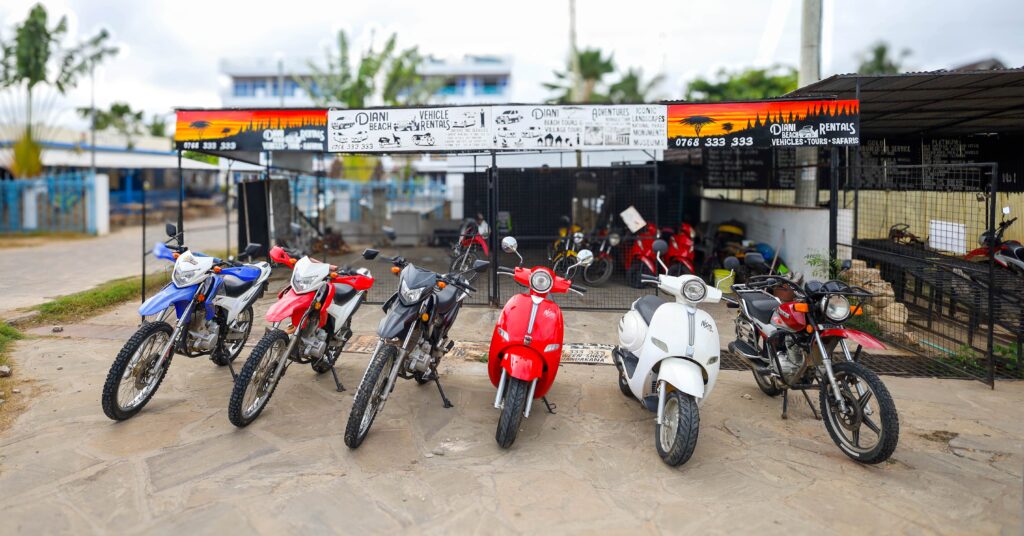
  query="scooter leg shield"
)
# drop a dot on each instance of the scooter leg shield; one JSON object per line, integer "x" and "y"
{"x": 523, "y": 363}
{"x": 683, "y": 375}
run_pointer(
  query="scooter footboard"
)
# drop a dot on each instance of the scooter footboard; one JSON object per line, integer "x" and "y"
{"x": 683, "y": 375}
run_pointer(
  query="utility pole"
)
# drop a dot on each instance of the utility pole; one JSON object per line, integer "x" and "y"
{"x": 576, "y": 94}
{"x": 806, "y": 194}
{"x": 280, "y": 79}
{"x": 92, "y": 121}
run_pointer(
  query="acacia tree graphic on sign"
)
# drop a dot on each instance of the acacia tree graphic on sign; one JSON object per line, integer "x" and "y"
{"x": 201, "y": 126}
{"x": 697, "y": 122}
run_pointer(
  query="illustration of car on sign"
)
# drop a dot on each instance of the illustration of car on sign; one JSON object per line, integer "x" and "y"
{"x": 423, "y": 139}
{"x": 505, "y": 132}
{"x": 807, "y": 132}
{"x": 508, "y": 117}
{"x": 389, "y": 141}
{"x": 468, "y": 120}
{"x": 342, "y": 123}
{"x": 356, "y": 137}
{"x": 406, "y": 126}
{"x": 531, "y": 132}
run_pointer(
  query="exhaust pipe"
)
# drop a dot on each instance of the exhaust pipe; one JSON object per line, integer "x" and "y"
{"x": 748, "y": 358}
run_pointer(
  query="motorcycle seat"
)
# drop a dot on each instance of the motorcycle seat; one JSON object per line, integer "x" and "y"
{"x": 646, "y": 307}
{"x": 759, "y": 305}
{"x": 235, "y": 287}
{"x": 343, "y": 292}
{"x": 446, "y": 299}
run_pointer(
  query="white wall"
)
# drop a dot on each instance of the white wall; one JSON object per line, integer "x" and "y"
{"x": 99, "y": 214}
{"x": 794, "y": 232}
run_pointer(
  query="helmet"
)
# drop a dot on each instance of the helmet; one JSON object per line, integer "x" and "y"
{"x": 632, "y": 331}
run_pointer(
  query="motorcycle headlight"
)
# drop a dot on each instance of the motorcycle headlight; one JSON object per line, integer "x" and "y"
{"x": 410, "y": 295}
{"x": 836, "y": 308}
{"x": 302, "y": 285}
{"x": 577, "y": 238}
{"x": 694, "y": 290}
{"x": 186, "y": 275}
{"x": 614, "y": 239}
{"x": 541, "y": 281}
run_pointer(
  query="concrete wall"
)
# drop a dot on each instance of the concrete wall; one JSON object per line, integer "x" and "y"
{"x": 794, "y": 232}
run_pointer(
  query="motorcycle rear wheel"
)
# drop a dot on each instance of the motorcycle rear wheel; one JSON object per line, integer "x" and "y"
{"x": 229, "y": 352}
{"x": 600, "y": 272}
{"x": 845, "y": 430}
{"x": 766, "y": 385}
{"x": 368, "y": 401}
{"x": 676, "y": 437}
{"x": 512, "y": 412}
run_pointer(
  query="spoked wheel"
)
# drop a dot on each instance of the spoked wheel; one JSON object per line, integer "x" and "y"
{"x": 676, "y": 436}
{"x": 256, "y": 382}
{"x": 561, "y": 265}
{"x": 465, "y": 262}
{"x": 370, "y": 396}
{"x": 237, "y": 334}
{"x": 133, "y": 377}
{"x": 512, "y": 412}
{"x": 870, "y": 428}
{"x": 599, "y": 272}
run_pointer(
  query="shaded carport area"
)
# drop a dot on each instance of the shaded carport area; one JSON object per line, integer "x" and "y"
{"x": 939, "y": 159}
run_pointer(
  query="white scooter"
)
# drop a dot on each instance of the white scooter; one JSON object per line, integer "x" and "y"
{"x": 668, "y": 358}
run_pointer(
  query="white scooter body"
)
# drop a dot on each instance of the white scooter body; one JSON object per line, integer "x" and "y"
{"x": 681, "y": 337}
{"x": 234, "y": 305}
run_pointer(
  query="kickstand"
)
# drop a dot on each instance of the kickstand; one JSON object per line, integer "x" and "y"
{"x": 785, "y": 403}
{"x": 551, "y": 407}
{"x": 437, "y": 382}
{"x": 231, "y": 367}
{"x": 810, "y": 405}
{"x": 337, "y": 382}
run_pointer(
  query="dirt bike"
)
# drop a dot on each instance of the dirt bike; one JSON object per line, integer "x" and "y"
{"x": 1007, "y": 253}
{"x": 600, "y": 271}
{"x": 472, "y": 239}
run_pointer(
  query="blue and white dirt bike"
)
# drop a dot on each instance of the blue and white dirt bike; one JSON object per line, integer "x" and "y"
{"x": 212, "y": 299}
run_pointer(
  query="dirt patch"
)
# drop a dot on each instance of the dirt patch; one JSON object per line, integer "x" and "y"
{"x": 15, "y": 402}
{"x": 939, "y": 436}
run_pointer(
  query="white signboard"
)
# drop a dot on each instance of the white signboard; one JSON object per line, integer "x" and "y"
{"x": 947, "y": 236}
{"x": 501, "y": 127}
{"x": 632, "y": 218}
{"x": 408, "y": 129}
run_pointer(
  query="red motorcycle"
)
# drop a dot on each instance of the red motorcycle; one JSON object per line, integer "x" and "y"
{"x": 641, "y": 258}
{"x": 472, "y": 238}
{"x": 527, "y": 343}
{"x": 1007, "y": 253}
{"x": 319, "y": 305}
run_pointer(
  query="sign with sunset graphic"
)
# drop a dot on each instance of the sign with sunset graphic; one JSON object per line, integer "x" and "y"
{"x": 251, "y": 130}
{"x": 775, "y": 123}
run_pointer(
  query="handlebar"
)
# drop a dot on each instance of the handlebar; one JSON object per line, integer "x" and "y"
{"x": 455, "y": 281}
{"x": 577, "y": 288}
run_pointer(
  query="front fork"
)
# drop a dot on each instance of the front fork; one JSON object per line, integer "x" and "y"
{"x": 826, "y": 360}
{"x": 184, "y": 320}
{"x": 499, "y": 403}
{"x": 399, "y": 363}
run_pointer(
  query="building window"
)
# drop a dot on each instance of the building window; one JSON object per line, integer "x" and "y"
{"x": 243, "y": 88}
{"x": 490, "y": 85}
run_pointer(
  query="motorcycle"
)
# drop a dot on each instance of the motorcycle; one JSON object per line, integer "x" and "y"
{"x": 319, "y": 302}
{"x": 413, "y": 337}
{"x": 212, "y": 300}
{"x": 563, "y": 251}
{"x": 1009, "y": 253}
{"x": 472, "y": 237}
{"x": 668, "y": 358}
{"x": 600, "y": 271}
{"x": 789, "y": 345}
{"x": 526, "y": 346}
{"x": 641, "y": 258}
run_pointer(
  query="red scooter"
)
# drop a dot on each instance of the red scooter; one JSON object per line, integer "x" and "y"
{"x": 527, "y": 343}
{"x": 640, "y": 259}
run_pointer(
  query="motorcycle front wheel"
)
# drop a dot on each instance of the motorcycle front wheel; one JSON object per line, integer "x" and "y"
{"x": 599, "y": 272}
{"x": 870, "y": 428}
{"x": 256, "y": 383}
{"x": 676, "y": 436}
{"x": 133, "y": 379}
{"x": 369, "y": 397}
{"x": 464, "y": 262}
{"x": 512, "y": 412}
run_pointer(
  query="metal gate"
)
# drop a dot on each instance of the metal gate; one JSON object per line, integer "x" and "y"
{"x": 916, "y": 229}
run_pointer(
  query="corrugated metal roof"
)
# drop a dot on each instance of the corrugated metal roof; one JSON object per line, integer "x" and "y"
{"x": 935, "y": 102}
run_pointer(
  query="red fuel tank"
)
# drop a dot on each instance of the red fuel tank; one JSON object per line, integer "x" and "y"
{"x": 788, "y": 318}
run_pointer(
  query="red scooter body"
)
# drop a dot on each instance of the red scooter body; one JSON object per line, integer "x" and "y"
{"x": 640, "y": 250}
{"x": 680, "y": 248}
{"x": 539, "y": 358}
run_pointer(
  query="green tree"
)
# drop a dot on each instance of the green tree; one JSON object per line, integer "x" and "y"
{"x": 119, "y": 118}
{"x": 36, "y": 56}
{"x": 748, "y": 84}
{"x": 157, "y": 126}
{"x": 877, "y": 59}
{"x": 594, "y": 65}
{"x": 385, "y": 73}
{"x": 631, "y": 88}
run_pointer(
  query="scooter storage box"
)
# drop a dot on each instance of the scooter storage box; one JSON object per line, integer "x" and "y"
{"x": 632, "y": 331}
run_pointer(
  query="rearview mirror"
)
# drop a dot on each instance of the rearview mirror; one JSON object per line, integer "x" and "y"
{"x": 660, "y": 246}
{"x": 731, "y": 263}
{"x": 370, "y": 254}
{"x": 251, "y": 249}
{"x": 585, "y": 258}
{"x": 171, "y": 230}
{"x": 480, "y": 266}
{"x": 509, "y": 244}
{"x": 753, "y": 259}
{"x": 389, "y": 232}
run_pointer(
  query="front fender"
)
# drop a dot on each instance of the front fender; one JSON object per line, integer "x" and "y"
{"x": 859, "y": 337}
{"x": 291, "y": 305}
{"x": 169, "y": 295}
{"x": 398, "y": 320}
{"x": 683, "y": 375}
{"x": 523, "y": 363}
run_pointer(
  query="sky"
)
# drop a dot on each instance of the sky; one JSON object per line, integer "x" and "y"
{"x": 170, "y": 50}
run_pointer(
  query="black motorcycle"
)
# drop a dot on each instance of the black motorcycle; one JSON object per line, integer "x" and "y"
{"x": 413, "y": 337}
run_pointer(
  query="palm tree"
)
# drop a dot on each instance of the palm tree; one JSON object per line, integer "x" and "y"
{"x": 593, "y": 67}
{"x": 631, "y": 88}
{"x": 697, "y": 122}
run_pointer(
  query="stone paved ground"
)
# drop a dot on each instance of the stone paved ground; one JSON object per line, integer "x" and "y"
{"x": 180, "y": 467}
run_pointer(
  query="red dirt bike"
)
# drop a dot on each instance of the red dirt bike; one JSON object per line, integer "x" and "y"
{"x": 526, "y": 346}
{"x": 1009, "y": 253}
{"x": 319, "y": 303}
{"x": 790, "y": 345}
{"x": 465, "y": 252}
{"x": 641, "y": 258}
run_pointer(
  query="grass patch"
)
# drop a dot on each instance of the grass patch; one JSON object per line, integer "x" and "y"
{"x": 89, "y": 302}
{"x": 8, "y": 334}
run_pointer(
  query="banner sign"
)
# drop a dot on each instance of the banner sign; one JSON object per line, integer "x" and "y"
{"x": 251, "y": 130}
{"x": 777, "y": 123}
{"x": 508, "y": 127}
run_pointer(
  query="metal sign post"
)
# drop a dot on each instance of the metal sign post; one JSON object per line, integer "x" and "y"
{"x": 181, "y": 202}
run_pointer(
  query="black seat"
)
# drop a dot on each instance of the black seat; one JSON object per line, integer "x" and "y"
{"x": 759, "y": 305}
{"x": 646, "y": 307}
{"x": 343, "y": 292}
{"x": 446, "y": 299}
{"x": 235, "y": 287}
